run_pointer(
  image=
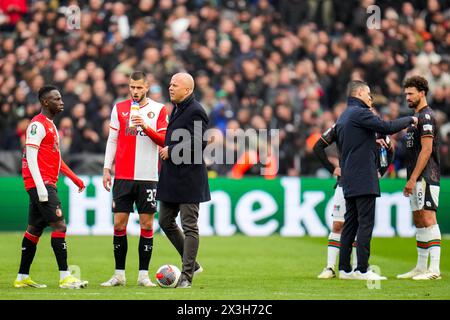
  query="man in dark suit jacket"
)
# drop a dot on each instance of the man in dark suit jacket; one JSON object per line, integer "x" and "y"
{"x": 356, "y": 140}
{"x": 183, "y": 180}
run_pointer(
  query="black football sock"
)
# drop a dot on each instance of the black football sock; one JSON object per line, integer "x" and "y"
{"x": 60, "y": 249}
{"x": 120, "y": 248}
{"x": 145, "y": 249}
{"x": 29, "y": 244}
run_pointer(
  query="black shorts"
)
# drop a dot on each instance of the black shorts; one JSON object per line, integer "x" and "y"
{"x": 41, "y": 214}
{"x": 128, "y": 192}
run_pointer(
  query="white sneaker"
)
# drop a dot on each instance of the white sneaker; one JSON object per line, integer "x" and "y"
{"x": 427, "y": 276}
{"x": 346, "y": 275}
{"x": 327, "y": 273}
{"x": 411, "y": 274}
{"x": 145, "y": 281}
{"x": 116, "y": 280}
{"x": 369, "y": 275}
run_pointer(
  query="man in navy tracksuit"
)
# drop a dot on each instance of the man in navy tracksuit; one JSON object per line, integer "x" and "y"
{"x": 356, "y": 140}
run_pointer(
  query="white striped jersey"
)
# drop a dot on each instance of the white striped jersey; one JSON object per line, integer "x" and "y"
{"x": 137, "y": 155}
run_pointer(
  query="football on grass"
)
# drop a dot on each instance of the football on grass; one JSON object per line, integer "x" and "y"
{"x": 167, "y": 276}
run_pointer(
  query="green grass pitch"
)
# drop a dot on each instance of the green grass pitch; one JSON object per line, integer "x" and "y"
{"x": 237, "y": 267}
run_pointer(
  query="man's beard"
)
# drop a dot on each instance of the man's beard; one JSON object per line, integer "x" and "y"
{"x": 413, "y": 104}
{"x": 139, "y": 100}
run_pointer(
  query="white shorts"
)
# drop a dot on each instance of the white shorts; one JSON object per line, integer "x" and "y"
{"x": 424, "y": 196}
{"x": 339, "y": 205}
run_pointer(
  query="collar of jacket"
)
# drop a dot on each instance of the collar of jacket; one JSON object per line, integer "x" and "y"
{"x": 353, "y": 101}
{"x": 185, "y": 102}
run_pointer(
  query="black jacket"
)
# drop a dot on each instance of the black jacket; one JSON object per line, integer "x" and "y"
{"x": 329, "y": 137}
{"x": 356, "y": 128}
{"x": 187, "y": 181}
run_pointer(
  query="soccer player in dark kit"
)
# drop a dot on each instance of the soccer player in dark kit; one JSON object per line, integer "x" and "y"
{"x": 423, "y": 173}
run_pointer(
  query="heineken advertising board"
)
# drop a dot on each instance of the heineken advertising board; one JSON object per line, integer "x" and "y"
{"x": 252, "y": 206}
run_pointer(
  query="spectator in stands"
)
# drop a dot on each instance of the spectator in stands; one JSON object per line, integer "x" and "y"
{"x": 248, "y": 58}
{"x": 65, "y": 132}
{"x": 11, "y": 12}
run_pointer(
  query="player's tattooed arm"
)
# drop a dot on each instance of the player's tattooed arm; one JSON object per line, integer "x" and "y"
{"x": 422, "y": 160}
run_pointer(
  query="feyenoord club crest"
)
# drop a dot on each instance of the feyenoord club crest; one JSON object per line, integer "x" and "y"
{"x": 151, "y": 114}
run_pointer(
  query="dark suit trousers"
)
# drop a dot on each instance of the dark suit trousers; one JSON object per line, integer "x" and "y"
{"x": 359, "y": 222}
{"x": 187, "y": 241}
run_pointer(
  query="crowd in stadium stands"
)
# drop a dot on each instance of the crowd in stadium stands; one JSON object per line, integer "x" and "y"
{"x": 257, "y": 64}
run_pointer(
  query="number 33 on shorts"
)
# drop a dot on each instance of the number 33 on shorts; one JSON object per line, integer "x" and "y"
{"x": 151, "y": 195}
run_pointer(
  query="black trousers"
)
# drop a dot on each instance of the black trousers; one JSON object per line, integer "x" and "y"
{"x": 187, "y": 241}
{"x": 359, "y": 222}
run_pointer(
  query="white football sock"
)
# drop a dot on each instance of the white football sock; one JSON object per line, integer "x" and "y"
{"x": 143, "y": 273}
{"x": 334, "y": 246}
{"x": 63, "y": 274}
{"x": 21, "y": 276}
{"x": 354, "y": 257}
{"x": 120, "y": 273}
{"x": 422, "y": 248}
{"x": 434, "y": 247}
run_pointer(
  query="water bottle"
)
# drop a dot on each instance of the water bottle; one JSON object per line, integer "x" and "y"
{"x": 134, "y": 111}
{"x": 383, "y": 157}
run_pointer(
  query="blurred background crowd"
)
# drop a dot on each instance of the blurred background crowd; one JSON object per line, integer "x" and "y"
{"x": 257, "y": 64}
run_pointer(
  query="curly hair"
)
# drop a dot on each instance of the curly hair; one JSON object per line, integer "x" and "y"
{"x": 418, "y": 82}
